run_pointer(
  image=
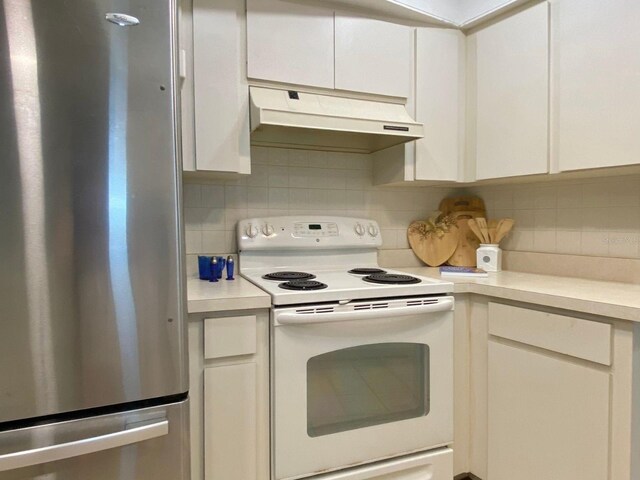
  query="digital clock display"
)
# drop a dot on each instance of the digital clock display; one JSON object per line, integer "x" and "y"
{"x": 315, "y": 227}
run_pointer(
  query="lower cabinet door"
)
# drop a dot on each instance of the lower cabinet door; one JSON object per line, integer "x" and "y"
{"x": 230, "y": 429}
{"x": 548, "y": 416}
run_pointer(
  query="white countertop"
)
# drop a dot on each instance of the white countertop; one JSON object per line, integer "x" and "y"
{"x": 224, "y": 295}
{"x": 610, "y": 299}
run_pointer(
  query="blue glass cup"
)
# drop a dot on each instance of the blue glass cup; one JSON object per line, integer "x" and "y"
{"x": 204, "y": 267}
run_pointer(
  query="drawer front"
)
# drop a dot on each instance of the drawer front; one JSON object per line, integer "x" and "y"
{"x": 229, "y": 336}
{"x": 576, "y": 337}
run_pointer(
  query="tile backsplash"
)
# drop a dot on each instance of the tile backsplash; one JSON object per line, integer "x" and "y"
{"x": 593, "y": 217}
{"x": 298, "y": 182}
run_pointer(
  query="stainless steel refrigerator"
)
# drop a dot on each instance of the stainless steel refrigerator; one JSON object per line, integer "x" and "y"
{"x": 93, "y": 360}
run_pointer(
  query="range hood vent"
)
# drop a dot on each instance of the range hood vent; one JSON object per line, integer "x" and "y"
{"x": 299, "y": 120}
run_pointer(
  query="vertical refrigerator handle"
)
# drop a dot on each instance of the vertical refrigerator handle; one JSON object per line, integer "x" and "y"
{"x": 52, "y": 453}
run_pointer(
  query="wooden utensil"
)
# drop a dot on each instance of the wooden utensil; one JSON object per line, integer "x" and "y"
{"x": 475, "y": 228}
{"x": 482, "y": 223}
{"x": 493, "y": 228}
{"x": 433, "y": 250}
{"x": 504, "y": 227}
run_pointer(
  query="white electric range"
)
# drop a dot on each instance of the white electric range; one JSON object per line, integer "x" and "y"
{"x": 361, "y": 356}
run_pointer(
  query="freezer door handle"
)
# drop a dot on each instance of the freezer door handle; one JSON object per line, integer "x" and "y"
{"x": 52, "y": 453}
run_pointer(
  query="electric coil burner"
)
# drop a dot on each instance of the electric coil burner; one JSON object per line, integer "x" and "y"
{"x": 366, "y": 271}
{"x": 391, "y": 279}
{"x": 303, "y": 285}
{"x": 288, "y": 276}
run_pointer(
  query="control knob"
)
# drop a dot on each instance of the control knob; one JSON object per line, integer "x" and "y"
{"x": 373, "y": 230}
{"x": 268, "y": 230}
{"x": 359, "y": 229}
{"x": 252, "y": 231}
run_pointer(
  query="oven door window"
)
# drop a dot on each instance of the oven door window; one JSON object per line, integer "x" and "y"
{"x": 366, "y": 385}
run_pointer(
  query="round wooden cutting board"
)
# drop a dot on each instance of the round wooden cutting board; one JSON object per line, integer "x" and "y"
{"x": 434, "y": 250}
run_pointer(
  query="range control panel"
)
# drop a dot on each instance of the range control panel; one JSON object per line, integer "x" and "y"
{"x": 315, "y": 229}
{"x": 296, "y": 232}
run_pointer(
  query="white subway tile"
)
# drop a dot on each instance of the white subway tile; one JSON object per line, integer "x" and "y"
{"x": 595, "y": 243}
{"x": 193, "y": 218}
{"x": 193, "y": 242}
{"x": 624, "y": 244}
{"x": 213, "y": 219}
{"x": 213, "y": 196}
{"x": 569, "y": 242}
{"x": 278, "y": 176}
{"x": 192, "y": 195}
{"x": 278, "y": 198}
{"x": 258, "y": 197}
{"x": 214, "y": 243}
{"x": 235, "y": 197}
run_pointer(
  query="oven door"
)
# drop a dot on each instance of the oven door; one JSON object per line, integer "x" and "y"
{"x": 360, "y": 382}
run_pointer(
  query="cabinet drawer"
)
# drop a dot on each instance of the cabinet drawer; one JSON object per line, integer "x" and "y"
{"x": 576, "y": 337}
{"x": 229, "y": 336}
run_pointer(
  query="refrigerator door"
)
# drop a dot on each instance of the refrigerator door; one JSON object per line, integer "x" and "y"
{"x": 147, "y": 444}
{"x": 90, "y": 272}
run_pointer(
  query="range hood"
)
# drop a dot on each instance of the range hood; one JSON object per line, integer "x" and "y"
{"x": 299, "y": 120}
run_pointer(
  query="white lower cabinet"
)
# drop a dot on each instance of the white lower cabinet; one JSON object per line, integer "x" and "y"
{"x": 548, "y": 416}
{"x": 550, "y": 393}
{"x": 230, "y": 426}
{"x": 229, "y": 384}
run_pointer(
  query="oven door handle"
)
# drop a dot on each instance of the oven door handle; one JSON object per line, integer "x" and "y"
{"x": 443, "y": 305}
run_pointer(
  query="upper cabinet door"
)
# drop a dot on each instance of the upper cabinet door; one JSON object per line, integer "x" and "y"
{"x": 290, "y": 43}
{"x": 512, "y": 95}
{"x": 596, "y": 83}
{"x": 221, "y": 91}
{"x": 372, "y": 56}
{"x": 440, "y": 103}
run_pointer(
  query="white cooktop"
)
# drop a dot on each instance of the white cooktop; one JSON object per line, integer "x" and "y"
{"x": 343, "y": 286}
{"x": 324, "y": 246}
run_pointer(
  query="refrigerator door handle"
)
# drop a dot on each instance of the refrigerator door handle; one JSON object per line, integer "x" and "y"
{"x": 85, "y": 446}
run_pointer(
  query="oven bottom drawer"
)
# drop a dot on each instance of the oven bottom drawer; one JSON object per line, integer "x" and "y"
{"x": 434, "y": 465}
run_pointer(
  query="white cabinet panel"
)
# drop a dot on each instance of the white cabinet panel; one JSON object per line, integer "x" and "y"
{"x": 230, "y": 429}
{"x": 547, "y": 417}
{"x": 372, "y": 56}
{"x": 290, "y": 43}
{"x": 230, "y": 336}
{"x": 596, "y": 83}
{"x": 221, "y": 106}
{"x": 512, "y": 92}
{"x": 572, "y": 336}
{"x": 440, "y": 103}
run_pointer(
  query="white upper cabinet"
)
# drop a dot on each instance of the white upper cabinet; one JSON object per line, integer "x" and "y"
{"x": 221, "y": 93}
{"x": 372, "y": 56}
{"x": 290, "y": 43}
{"x": 440, "y": 103}
{"x": 595, "y": 83}
{"x": 510, "y": 63}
